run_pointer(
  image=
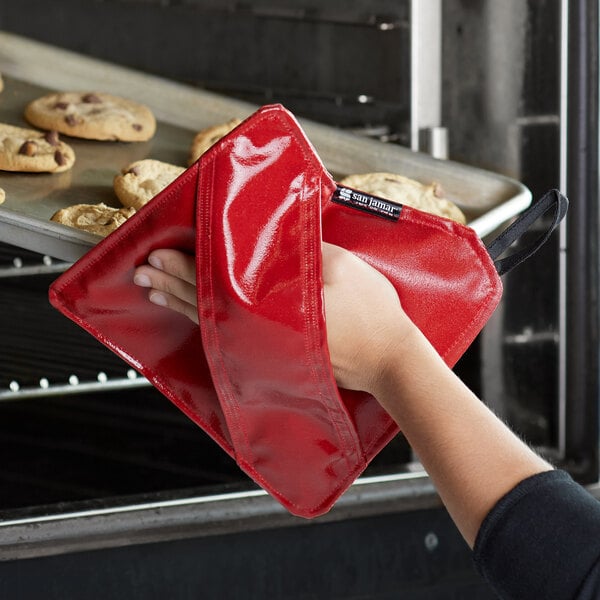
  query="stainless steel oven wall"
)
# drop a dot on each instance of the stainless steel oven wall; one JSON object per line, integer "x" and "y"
{"x": 501, "y": 84}
{"x": 520, "y": 97}
{"x": 501, "y": 108}
{"x": 581, "y": 264}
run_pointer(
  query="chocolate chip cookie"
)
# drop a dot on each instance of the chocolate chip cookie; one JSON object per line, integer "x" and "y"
{"x": 95, "y": 218}
{"x": 2, "y": 195}
{"x": 397, "y": 188}
{"x": 28, "y": 150}
{"x": 139, "y": 182}
{"x": 206, "y": 138}
{"x": 92, "y": 115}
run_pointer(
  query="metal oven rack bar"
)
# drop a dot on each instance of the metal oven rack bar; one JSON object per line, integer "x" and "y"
{"x": 18, "y": 263}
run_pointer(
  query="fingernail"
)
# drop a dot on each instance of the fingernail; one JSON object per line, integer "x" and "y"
{"x": 142, "y": 280}
{"x": 155, "y": 262}
{"x": 159, "y": 299}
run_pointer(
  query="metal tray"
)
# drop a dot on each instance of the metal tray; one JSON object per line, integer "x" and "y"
{"x": 31, "y": 69}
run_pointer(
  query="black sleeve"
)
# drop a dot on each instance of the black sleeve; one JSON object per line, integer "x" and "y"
{"x": 542, "y": 540}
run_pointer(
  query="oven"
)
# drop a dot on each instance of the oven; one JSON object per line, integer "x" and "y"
{"x": 107, "y": 490}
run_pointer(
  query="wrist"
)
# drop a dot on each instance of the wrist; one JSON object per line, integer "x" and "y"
{"x": 397, "y": 353}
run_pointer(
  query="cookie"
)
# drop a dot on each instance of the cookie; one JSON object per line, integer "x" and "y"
{"x": 95, "y": 218}
{"x": 93, "y": 116}
{"x": 428, "y": 198}
{"x": 2, "y": 195}
{"x": 138, "y": 183}
{"x": 204, "y": 139}
{"x": 31, "y": 151}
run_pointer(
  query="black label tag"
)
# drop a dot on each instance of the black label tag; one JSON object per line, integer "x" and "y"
{"x": 367, "y": 203}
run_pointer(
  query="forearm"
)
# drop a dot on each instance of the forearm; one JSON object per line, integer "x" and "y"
{"x": 471, "y": 456}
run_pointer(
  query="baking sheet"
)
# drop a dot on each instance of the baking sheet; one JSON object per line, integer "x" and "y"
{"x": 31, "y": 69}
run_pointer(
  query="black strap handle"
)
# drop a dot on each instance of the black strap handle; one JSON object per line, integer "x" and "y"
{"x": 552, "y": 199}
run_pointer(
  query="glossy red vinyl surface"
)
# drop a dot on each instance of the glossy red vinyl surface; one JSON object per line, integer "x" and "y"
{"x": 98, "y": 293}
{"x": 256, "y": 374}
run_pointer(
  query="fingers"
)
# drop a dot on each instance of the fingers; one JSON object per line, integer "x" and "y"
{"x": 176, "y": 263}
{"x": 171, "y": 277}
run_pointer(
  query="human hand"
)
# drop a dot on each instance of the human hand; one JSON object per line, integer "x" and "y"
{"x": 365, "y": 322}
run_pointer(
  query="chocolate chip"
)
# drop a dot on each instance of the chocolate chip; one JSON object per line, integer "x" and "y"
{"x": 72, "y": 120}
{"x": 137, "y": 127}
{"x": 59, "y": 158}
{"x": 61, "y": 105}
{"x": 28, "y": 148}
{"x": 134, "y": 171}
{"x": 52, "y": 137}
{"x": 91, "y": 99}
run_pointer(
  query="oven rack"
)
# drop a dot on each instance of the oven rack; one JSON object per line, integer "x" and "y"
{"x": 361, "y": 14}
{"x": 33, "y": 363}
{"x": 363, "y": 113}
{"x": 73, "y": 385}
{"x": 17, "y": 262}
